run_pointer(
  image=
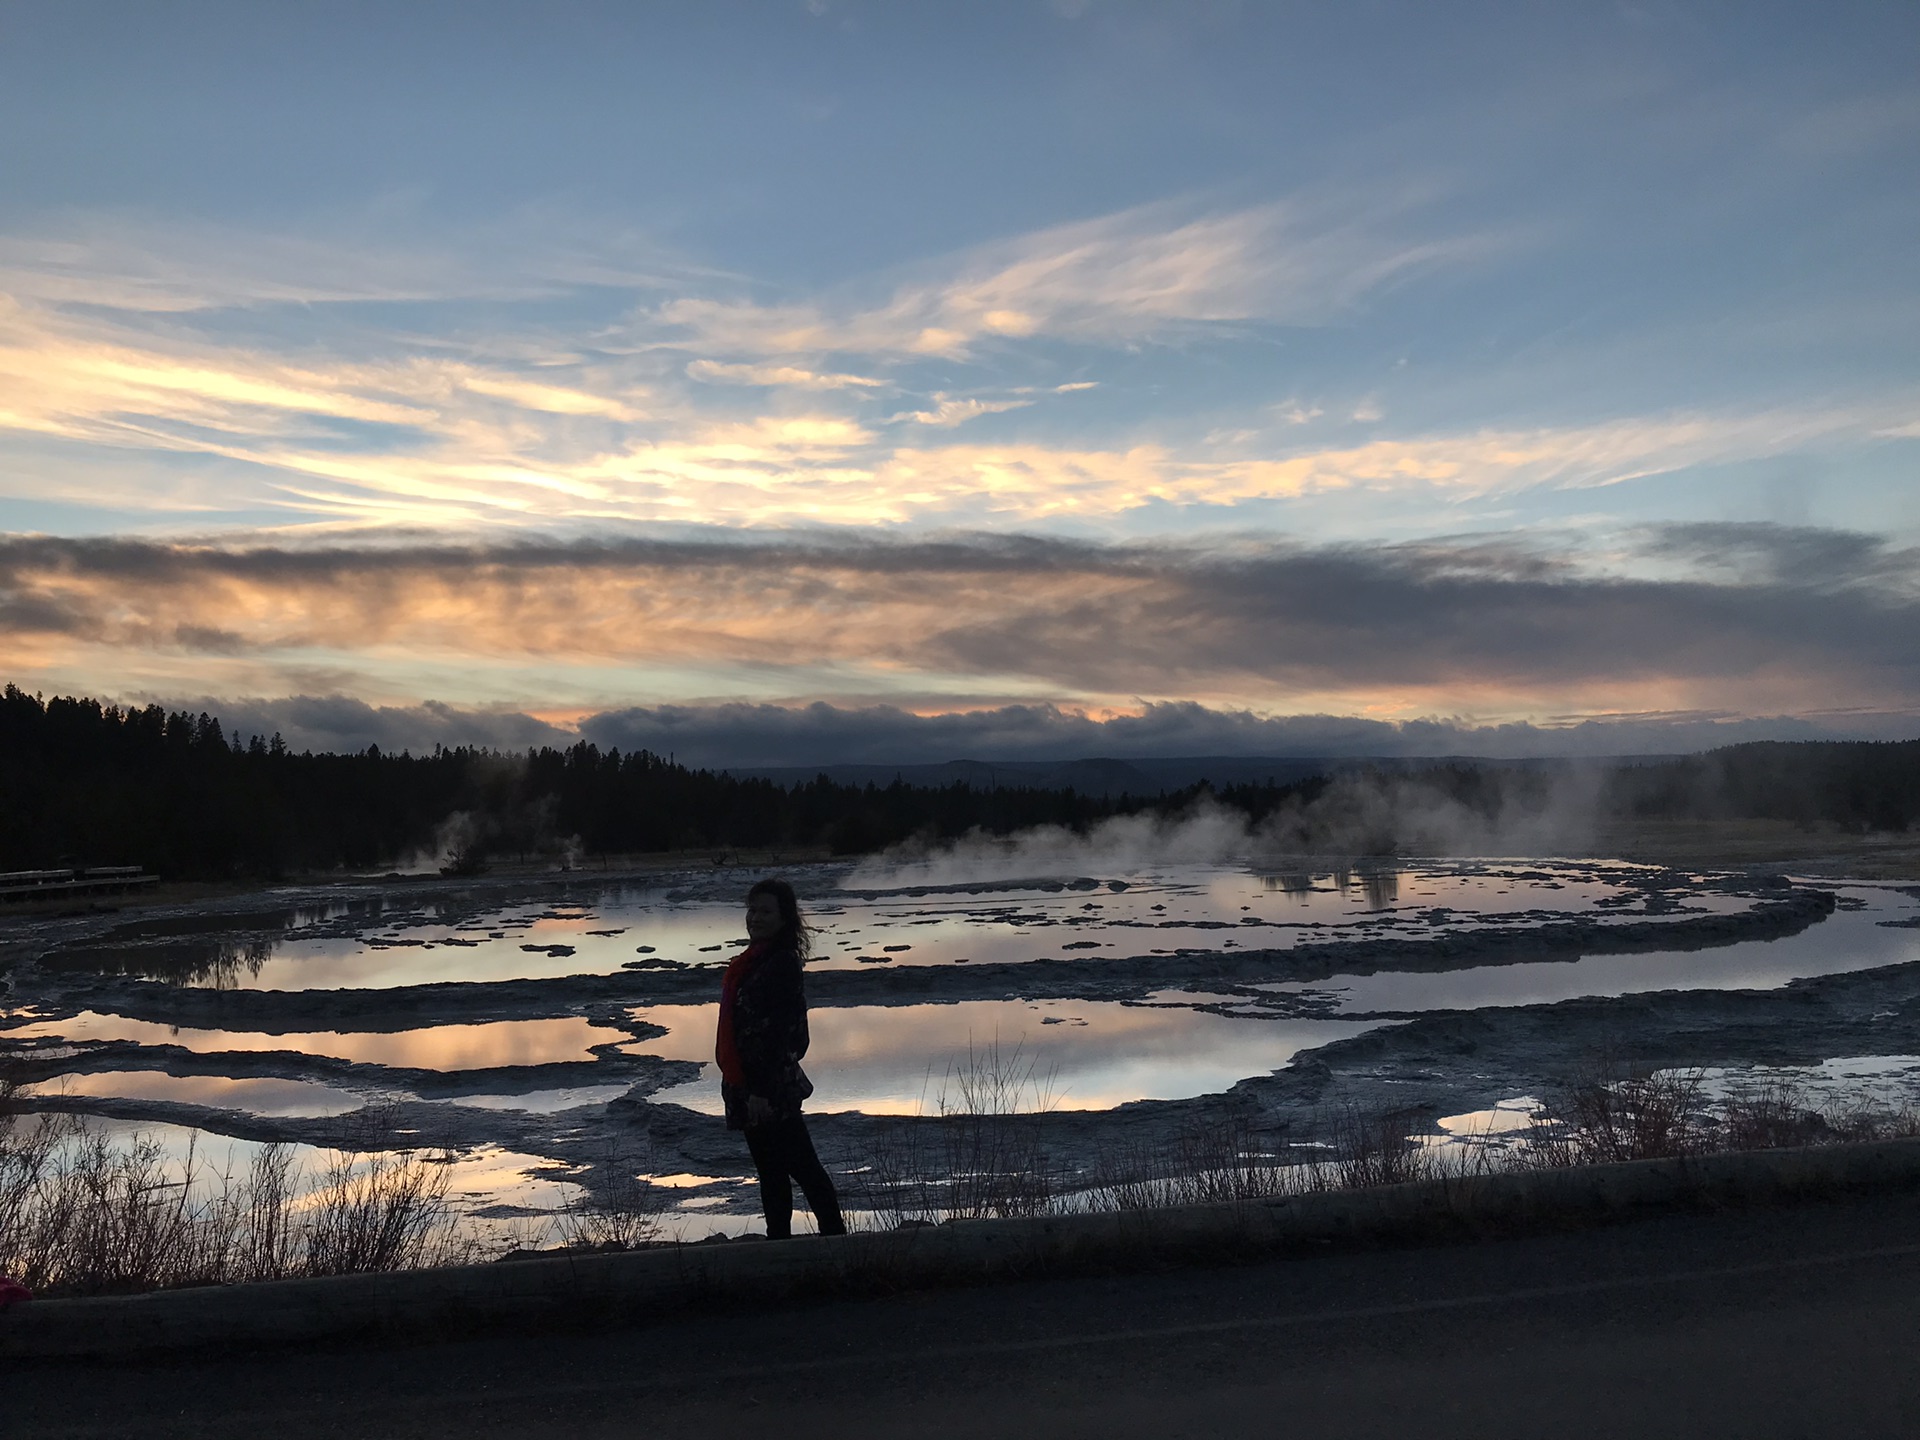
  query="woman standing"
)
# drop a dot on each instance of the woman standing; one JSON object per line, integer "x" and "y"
{"x": 763, "y": 1035}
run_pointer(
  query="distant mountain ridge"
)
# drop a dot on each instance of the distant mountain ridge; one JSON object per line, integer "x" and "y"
{"x": 1109, "y": 777}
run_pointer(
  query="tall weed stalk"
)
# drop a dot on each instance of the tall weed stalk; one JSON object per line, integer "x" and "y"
{"x": 982, "y": 1154}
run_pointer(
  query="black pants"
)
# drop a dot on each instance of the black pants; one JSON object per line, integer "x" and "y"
{"x": 783, "y": 1153}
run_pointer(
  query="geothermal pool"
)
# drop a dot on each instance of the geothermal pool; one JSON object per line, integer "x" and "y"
{"x": 401, "y": 939}
{"x": 536, "y": 1027}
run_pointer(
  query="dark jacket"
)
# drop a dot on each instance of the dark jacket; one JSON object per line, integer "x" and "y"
{"x": 770, "y": 1033}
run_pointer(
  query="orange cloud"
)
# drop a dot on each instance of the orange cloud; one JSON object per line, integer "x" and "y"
{"x": 1395, "y": 632}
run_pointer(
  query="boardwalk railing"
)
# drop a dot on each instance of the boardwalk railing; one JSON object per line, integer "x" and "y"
{"x": 96, "y": 880}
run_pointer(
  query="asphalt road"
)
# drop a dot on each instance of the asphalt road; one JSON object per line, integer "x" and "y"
{"x": 1802, "y": 1323}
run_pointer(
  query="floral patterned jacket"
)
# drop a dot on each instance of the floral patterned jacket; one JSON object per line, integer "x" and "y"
{"x": 770, "y": 1032}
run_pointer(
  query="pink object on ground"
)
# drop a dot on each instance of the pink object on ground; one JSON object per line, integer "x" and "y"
{"x": 12, "y": 1291}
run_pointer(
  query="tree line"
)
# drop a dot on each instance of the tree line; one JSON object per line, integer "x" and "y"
{"x": 1851, "y": 785}
{"x": 83, "y": 783}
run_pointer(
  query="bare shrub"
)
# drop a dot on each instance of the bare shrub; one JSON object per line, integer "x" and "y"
{"x": 1131, "y": 1176}
{"x": 379, "y": 1212}
{"x": 1548, "y": 1143}
{"x": 265, "y": 1219}
{"x": 27, "y": 1150}
{"x": 1859, "y": 1122}
{"x": 900, "y": 1181}
{"x": 1768, "y": 1115}
{"x": 84, "y": 1213}
{"x": 980, "y": 1155}
{"x": 121, "y": 1219}
{"x": 1377, "y": 1149}
{"x": 620, "y": 1210}
{"x": 1635, "y": 1117}
{"x": 1231, "y": 1160}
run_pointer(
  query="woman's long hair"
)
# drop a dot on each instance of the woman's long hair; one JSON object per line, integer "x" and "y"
{"x": 794, "y": 934}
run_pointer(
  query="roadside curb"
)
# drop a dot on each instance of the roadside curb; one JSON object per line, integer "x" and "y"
{"x": 570, "y": 1291}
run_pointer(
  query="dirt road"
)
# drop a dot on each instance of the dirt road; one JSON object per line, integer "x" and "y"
{"x": 1794, "y": 1323}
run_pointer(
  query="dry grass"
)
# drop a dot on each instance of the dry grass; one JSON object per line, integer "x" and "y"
{"x": 923, "y": 1173}
{"x": 1610, "y": 1114}
{"x": 1769, "y": 1115}
{"x": 83, "y": 1213}
{"x": 1201, "y": 1164}
{"x": 982, "y": 1154}
{"x": 1606, "y": 1116}
{"x": 620, "y": 1212}
{"x": 1377, "y": 1149}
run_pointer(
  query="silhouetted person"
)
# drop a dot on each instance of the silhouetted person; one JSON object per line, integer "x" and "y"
{"x": 762, "y": 1037}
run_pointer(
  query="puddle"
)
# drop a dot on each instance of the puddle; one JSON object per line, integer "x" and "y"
{"x": 1508, "y": 1118}
{"x": 382, "y": 943}
{"x": 257, "y": 1095}
{"x": 898, "y": 1059}
{"x": 1847, "y": 940}
{"x": 1084, "y": 1055}
{"x": 540, "y": 1102}
{"x": 1883, "y": 1083}
{"x": 482, "y": 1179}
{"x": 441, "y": 1047}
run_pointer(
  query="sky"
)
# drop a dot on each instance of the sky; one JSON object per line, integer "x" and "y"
{"x": 792, "y": 382}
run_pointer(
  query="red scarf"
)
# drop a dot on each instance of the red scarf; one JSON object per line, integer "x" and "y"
{"x": 725, "y": 1053}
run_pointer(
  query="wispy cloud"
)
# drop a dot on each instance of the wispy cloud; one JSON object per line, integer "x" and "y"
{"x": 1139, "y": 273}
{"x": 720, "y": 373}
{"x": 481, "y": 439}
{"x": 949, "y": 411}
{"x": 156, "y": 265}
{"x": 712, "y": 411}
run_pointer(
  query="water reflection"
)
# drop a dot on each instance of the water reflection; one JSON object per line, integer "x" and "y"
{"x": 405, "y": 939}
{"x": 1092, "y": 1055}
{"x": 441, "y": 1047}
{"x": 500, "y": 1197}
{"x": 1379, "y": 887}
{"x": 1845, "y": 941}
{"x": 215, "y": 962}
{"x": 1887, "y": 1084}
{"x": 540, "y": 1102}
{"x": 256, "y": 1095}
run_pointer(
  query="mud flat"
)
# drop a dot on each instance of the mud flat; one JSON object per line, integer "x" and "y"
{"x": 1326, "y": 988}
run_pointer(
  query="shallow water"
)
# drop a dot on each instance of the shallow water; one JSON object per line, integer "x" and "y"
{"x": 391, "y": 941}
{"x": 1845, "y": 941}
{"x": 441, "y": 1047}
{"x": 482, "y": 1178}
{"x": 254, "y": 1094}
{"x": 1065, "y": 1054}
{"x": 1875, "y": 1083}
{"x": 892, "y": 1058}
{"x": 898, "y": 1059}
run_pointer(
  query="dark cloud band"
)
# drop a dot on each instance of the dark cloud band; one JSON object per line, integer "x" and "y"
{"x": 1751, "y": 619}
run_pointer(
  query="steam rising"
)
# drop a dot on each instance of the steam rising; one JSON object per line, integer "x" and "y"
{"x": 1442, "y": 812}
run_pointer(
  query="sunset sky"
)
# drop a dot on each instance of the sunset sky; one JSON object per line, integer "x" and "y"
{"x": 791, "y": 382}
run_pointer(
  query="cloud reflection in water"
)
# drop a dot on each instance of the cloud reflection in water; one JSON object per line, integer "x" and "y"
{"x": 894, "y": 1059}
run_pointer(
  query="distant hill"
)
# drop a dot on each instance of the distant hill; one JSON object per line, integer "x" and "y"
{"x": 1101, "y": 777}
{"x": 1109, "y": 778}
